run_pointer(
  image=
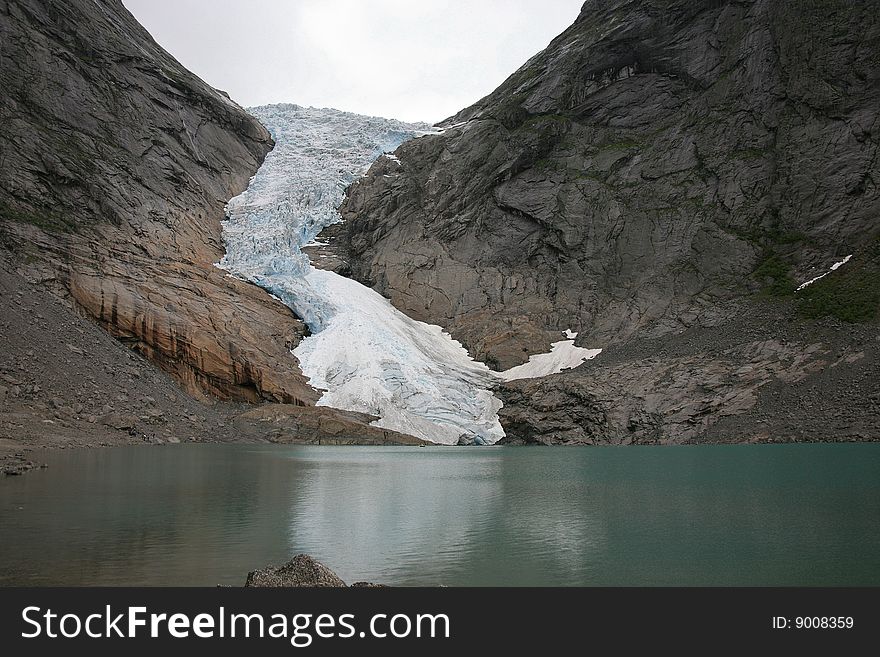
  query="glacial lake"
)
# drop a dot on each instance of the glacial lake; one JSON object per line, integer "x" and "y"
{"x": 206, "y": 515}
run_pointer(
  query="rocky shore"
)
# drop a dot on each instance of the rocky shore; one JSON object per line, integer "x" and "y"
{"x": 17, "y": 464}
{"x": 66, "y": 383}
{"x": 765, "y": 376}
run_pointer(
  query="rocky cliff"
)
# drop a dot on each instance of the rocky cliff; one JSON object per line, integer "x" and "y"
{"x": 663, "y": 171}
{"x": 116, "y": 166}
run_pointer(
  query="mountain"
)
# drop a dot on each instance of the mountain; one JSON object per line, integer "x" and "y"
{"x": 117, "y": 164}
{"x": 689, "y": 187}
{"x": 661, "y": 179}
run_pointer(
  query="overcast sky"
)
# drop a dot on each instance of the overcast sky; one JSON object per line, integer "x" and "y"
{"x": 407, "y": 59}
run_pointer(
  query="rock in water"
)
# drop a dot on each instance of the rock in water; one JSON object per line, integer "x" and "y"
{"x": 368, "y": 585}
{"x": 300, "y": 572}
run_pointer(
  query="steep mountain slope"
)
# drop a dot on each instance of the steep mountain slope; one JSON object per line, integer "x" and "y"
{"x": 662, "y": 167}
{"x": 65, "y": 382}
{"x": 116, "y": 166}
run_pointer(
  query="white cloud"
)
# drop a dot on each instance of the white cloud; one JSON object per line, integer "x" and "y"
{"x": 412, "y": 60}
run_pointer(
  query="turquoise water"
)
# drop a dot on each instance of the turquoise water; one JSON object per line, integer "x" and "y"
{"x": 206, "y": 515}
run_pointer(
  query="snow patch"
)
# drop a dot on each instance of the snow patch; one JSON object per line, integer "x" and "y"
{"x": 439, "y": 131}
{"x": 834, "y": 267}
{"x": 563, "y": 355}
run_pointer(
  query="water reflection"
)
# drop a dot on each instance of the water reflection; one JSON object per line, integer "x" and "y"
{"x": 375, "y": 516}
{"x": 144, "y": 516}
{"x": 205, "y": 515}
{"x": 446, "y": 517}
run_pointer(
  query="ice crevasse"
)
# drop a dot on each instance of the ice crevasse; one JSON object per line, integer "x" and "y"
{"x": 365, "y": 354}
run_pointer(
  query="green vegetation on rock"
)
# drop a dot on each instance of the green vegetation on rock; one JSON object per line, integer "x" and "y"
{"x": 775, "y": 274}
{"x": 851, "y": 294}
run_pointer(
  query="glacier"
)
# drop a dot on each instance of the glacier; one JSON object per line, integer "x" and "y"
{"x": 366, "y": 355}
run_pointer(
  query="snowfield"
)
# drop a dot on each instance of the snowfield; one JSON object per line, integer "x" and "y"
{"x": 563, "y": 355}
{"x": 365, "y": 354}
{"x": 372, "y": 358}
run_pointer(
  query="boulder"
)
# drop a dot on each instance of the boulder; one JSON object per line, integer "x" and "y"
{"x": 300, "y": 572}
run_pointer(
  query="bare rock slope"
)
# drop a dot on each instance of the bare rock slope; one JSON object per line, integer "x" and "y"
{"x": 116, "y": 166}
{"x": 64, "y": 382}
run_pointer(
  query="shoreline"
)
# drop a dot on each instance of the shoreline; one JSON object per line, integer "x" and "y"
{"x": 13, "y": 456}
{"x": 319, "y": 428}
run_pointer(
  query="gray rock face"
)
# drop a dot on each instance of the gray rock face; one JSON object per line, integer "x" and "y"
{"x": 116, "y": 166}
{"x": 653, "y": 175}
{"x": 633, "y": 175}
{"x": 300, "y": 572}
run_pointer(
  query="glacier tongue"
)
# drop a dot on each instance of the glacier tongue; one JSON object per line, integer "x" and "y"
{"x": 367, "y": 355}
{"x": 372, "y": 358}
